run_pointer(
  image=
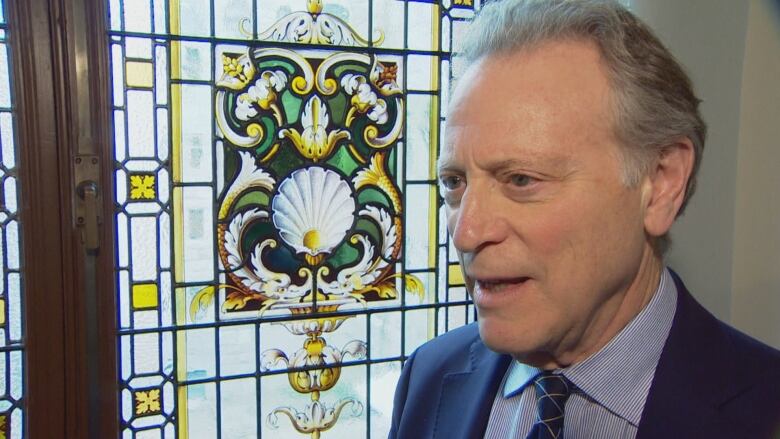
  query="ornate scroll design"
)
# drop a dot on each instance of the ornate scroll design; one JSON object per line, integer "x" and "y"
{"x": 315, "y": 27}
{"x": 310, "y": 218}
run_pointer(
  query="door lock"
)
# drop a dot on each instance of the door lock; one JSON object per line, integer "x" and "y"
{"x": 87, "y": 174}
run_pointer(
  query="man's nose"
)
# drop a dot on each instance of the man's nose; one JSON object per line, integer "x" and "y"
{"x": 476, "y": 221}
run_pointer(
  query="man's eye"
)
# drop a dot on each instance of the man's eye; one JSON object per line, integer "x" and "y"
{"x": 520, "y": 180}
{"x": 451, "y": 182}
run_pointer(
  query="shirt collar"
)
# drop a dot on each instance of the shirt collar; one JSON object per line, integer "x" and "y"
{"x": 614, "y": 375}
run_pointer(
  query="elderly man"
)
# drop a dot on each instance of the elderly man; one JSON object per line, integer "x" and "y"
{"x": 572, "y": 144}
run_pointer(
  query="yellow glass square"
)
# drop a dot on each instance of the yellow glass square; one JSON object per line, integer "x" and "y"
{"x": 2, "y": 311}
{"x": 147, "y": 402}
{"x": 139, "y": 74}
{"x": 455, "y": 275}
{"x": 5, "y": 426}
{"x": 142, "y": 186}
{"x": 144, "y": 296}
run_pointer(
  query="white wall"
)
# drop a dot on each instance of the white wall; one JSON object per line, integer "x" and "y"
{"x": 756, "y": 277}
{"x": 727, "y": 246}
{"x": 708, "y": 38}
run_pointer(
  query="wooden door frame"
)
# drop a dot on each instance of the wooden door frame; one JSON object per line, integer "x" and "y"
{"x": 60, "y": 73}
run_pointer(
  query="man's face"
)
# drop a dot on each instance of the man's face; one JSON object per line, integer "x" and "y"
{"x": 549, "y": 237}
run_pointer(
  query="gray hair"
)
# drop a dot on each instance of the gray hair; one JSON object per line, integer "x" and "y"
{"x": 654, "y": 103}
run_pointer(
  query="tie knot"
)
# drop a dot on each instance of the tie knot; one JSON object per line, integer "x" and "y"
{"x": 552, "y": 385}
{"x": 552, "y": 391}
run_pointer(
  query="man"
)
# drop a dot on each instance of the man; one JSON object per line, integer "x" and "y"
{"x": 572, "y": 144}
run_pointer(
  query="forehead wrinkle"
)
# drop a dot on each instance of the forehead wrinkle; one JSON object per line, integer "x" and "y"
{"x": 506, "y": 156}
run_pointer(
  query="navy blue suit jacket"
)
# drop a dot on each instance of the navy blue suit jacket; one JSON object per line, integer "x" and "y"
{"x": 711, "y": 382}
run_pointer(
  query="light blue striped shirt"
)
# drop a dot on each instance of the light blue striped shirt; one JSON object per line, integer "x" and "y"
{"x": 611, "y": 386}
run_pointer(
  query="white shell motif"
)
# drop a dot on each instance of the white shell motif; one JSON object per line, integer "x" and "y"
{"x": 313, "y": 210}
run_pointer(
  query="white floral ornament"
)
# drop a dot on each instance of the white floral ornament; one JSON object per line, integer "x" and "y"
{"x": 262, "y": 94}
{"x": 364, "y": 100}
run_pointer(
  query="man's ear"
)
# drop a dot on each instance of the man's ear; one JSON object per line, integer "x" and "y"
{"x": 665, "y": 186}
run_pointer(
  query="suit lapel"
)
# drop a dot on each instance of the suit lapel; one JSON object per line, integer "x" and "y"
{"x": 682, "y": 401}
{"x": 467, "y": 396}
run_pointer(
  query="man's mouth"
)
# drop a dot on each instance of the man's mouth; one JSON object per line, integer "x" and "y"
{"x": 491, "y": 286}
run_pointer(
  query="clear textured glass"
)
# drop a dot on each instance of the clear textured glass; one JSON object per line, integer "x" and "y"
{"x": 233, "y": 19}
{"x": 198, "y": 236}
{"x": 195, "y": 60}
{"x": 418, "y": 197}
{"x": 146, "y": 349}
{"x": 384, "y": 376}
{"x": 119, "y": 136}
{"x": 137, "y": 15}
{"x": 418, "y": 134}
{"x": 422, "y": 72}
{"x": 239, "y": 396}
{"x": 196, "y": 118}
{"x": 417, "y": 329}
{"x": 8, "y": 140}
{"x": 237, "y": 350}
{"x": 201, "y": 358}
{"x": 124, "y": 299}
{"x": 143, "y": 239}
{"x": 5, "y": 80}
{"x": 140, "y": 114}
{"x": 9, "y": 194}
{"x": 201, "y": 410}
{"x": 138, "y": 48}
{"x": 160, "y": 16}
{"x": 161, "y": 74}
{"x": 114, "y": 15}
{"x": 384, "y": 335}
{"x": 420, "y": 31}
{"x": 389, "y": 22}
{"x": 162, "y": 134}
{"x": 194, "y": 17}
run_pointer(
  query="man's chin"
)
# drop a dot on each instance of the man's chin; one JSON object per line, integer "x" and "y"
{"x": 503, "y": 339}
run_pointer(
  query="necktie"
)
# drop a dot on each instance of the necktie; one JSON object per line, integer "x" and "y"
{"x": 552, "y": 391}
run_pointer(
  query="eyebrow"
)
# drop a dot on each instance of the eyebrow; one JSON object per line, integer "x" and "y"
{"x": 499, "y": 166}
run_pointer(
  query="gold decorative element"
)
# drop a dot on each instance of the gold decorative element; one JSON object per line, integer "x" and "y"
{"x": 271, "y": 153}
{"x": 314, "y": 6}
{"x": 375, "y": 175}
{"x": 236, "y": 299}
{"x": 364, "y": 100}
{"x": 147, "y": 402}
{"x": 142, "y": 186}
{"x": 414, "y": 285}
{"x": 250, "y": 176}
{"x": 5, "y": 426}
{"x": 316, "y": 417}
{"x": 316, "y": 27}
{"x": 262, "y": 95}
{"x": 315, "y": 142}
{"x": 322, "y": 364}
{"x": 238, "y": 71}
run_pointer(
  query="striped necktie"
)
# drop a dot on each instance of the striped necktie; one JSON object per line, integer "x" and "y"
{"x": 552, "y": 391}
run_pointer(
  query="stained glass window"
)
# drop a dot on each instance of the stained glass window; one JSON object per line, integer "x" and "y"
{"x": 11, "y": 285}
{"x": 281, "y": 244}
